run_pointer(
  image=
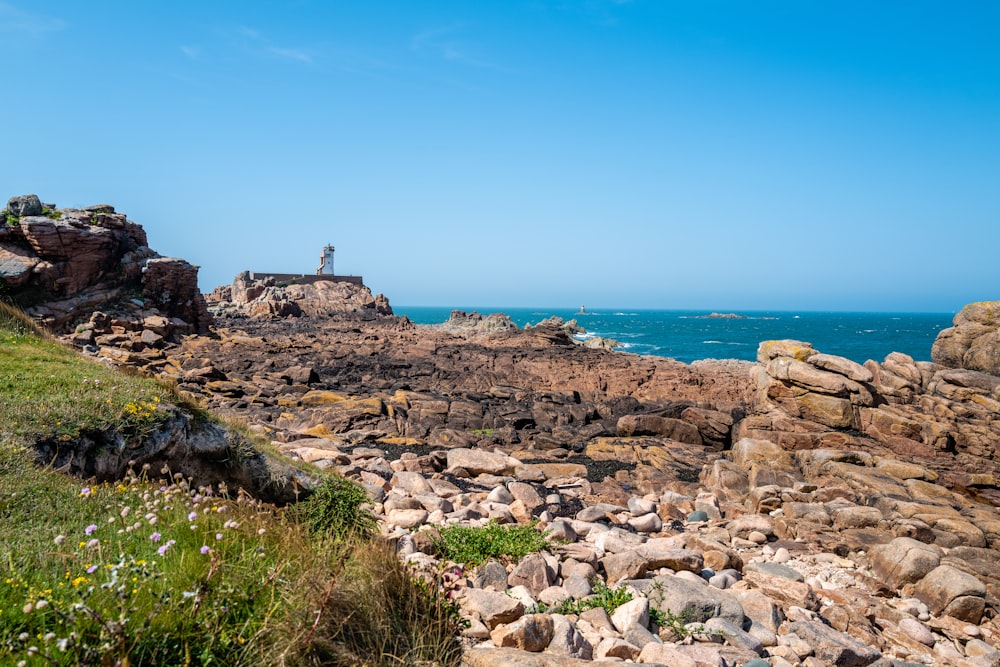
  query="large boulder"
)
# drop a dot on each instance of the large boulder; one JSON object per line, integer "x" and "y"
{"x": 903, "y": 561}
{"x": 24, "y": 205}
{"x": 950, "y": 592}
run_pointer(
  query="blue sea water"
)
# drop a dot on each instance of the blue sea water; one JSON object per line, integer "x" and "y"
{"x": 689, "y": 335}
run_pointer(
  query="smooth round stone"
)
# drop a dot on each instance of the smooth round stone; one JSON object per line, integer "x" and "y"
{"x": 782, "y": 556}
{"x": 722, "y": 581}
{"x": 553, "y": 595}
{"x": 647, "y": 523}
{"x": 577, "y": 586}
{"x": 500, "y": 495}
{"x": 698, "y": 516}
{"x": 917, "y": 631}
{"x": 408, "y": 518}
{"x": 561, "y": 530}
{"x": 691, "y": 576}
{"x": 977, "y": 647}
{"x": 757, "y": 537}
{"x": 640, "y": 506}
{"x": 971, "y": 630}
{"x": 553, "y": 499}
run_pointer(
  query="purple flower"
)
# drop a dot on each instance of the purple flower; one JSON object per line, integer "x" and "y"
{"x": 162, "y": 550}
{"x": 205, "y": 549}
{"x": 89, "y": 529}
{"x": 218, "y": 536}
{"x": 155, "y": 537}
{"x": 192, "y": 516}
{"x": 92, "y": 569}
{"x": 85, "y": 491}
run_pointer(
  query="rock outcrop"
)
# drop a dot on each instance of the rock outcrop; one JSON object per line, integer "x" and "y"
{"x": 947, "y": 419}
{"x": 61, "y": 265}
{"x": 266, "y": 298}
{"x": 974, "y": 341}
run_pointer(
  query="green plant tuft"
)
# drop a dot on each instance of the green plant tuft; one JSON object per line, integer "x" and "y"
{"x": 473, "y": 546}
{"x": 337, "y": 509}
{"x": 604, "y": 596}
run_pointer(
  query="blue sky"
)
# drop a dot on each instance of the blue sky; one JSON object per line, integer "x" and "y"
{"x": 644, "y": 154}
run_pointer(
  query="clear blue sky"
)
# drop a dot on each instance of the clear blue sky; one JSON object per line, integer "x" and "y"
{"x": 646, "y": 154}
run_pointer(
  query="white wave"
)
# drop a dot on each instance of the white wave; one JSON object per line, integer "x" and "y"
{"x": 712, "y": 342}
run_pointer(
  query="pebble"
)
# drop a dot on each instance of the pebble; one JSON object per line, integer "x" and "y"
{"x": 917, "y": 631}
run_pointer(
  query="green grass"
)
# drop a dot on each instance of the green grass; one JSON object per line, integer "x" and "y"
{"x": 150, "y": 571}
{"x": 50, "y": 392}
{"x": 475, "y": 545}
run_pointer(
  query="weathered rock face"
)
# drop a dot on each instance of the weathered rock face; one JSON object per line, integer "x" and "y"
{"x": 60, "y": 265}
{"x": 171, "y": 285}
{"x": 266, "y": 299}
{"x": 974, "y": 341}
{"x": 947, "y": 419}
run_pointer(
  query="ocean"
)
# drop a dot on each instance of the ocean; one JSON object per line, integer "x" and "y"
{"x": 688, "y": 335}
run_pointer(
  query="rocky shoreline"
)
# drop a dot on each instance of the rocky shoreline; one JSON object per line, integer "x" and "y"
{"x": 803, "y": 509}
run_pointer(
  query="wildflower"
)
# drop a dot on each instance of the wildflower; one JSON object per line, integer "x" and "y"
{"x": 28, "y": 608}
{"x": 192, "y": 516}
{"x": 261, "y": 531}
{"x": 125, "y": 511}
{"x": 162, "y": 550}
{"x": 91, "y": 569}
{"x": 42, "y": 604}
{"x": 49, "y": 636}
{"x": 24, "y": 636}
{"x": 85, "y": 491}
{"x": 155, "y": 537}
{"x": 60, "y": 539}
{"x": 93, "y": 543}
{"x": 218, "y": 536}
{"x": 205, "y": 549}
{"x": 89, "y": 529}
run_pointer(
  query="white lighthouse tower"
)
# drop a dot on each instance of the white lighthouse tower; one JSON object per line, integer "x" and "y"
{"x": 326, "y": 262}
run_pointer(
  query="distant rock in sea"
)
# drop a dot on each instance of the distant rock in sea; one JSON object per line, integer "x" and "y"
{"x": 721, "y": 316}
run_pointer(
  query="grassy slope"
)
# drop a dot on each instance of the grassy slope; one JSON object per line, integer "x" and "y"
{"x": 155, "y": 572}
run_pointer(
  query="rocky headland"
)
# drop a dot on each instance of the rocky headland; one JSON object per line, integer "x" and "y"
{"x": 803, "y": 509}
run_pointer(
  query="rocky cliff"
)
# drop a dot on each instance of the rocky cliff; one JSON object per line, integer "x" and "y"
{"x": 62, "y": 265}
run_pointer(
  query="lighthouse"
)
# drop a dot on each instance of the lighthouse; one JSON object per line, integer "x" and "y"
{"x": 326, "y": 262}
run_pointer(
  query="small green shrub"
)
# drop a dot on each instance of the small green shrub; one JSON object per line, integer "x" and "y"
{"x": 604, "y": 596}
{"x": 473, "y": 546}
{"x": 336, "y": 509}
